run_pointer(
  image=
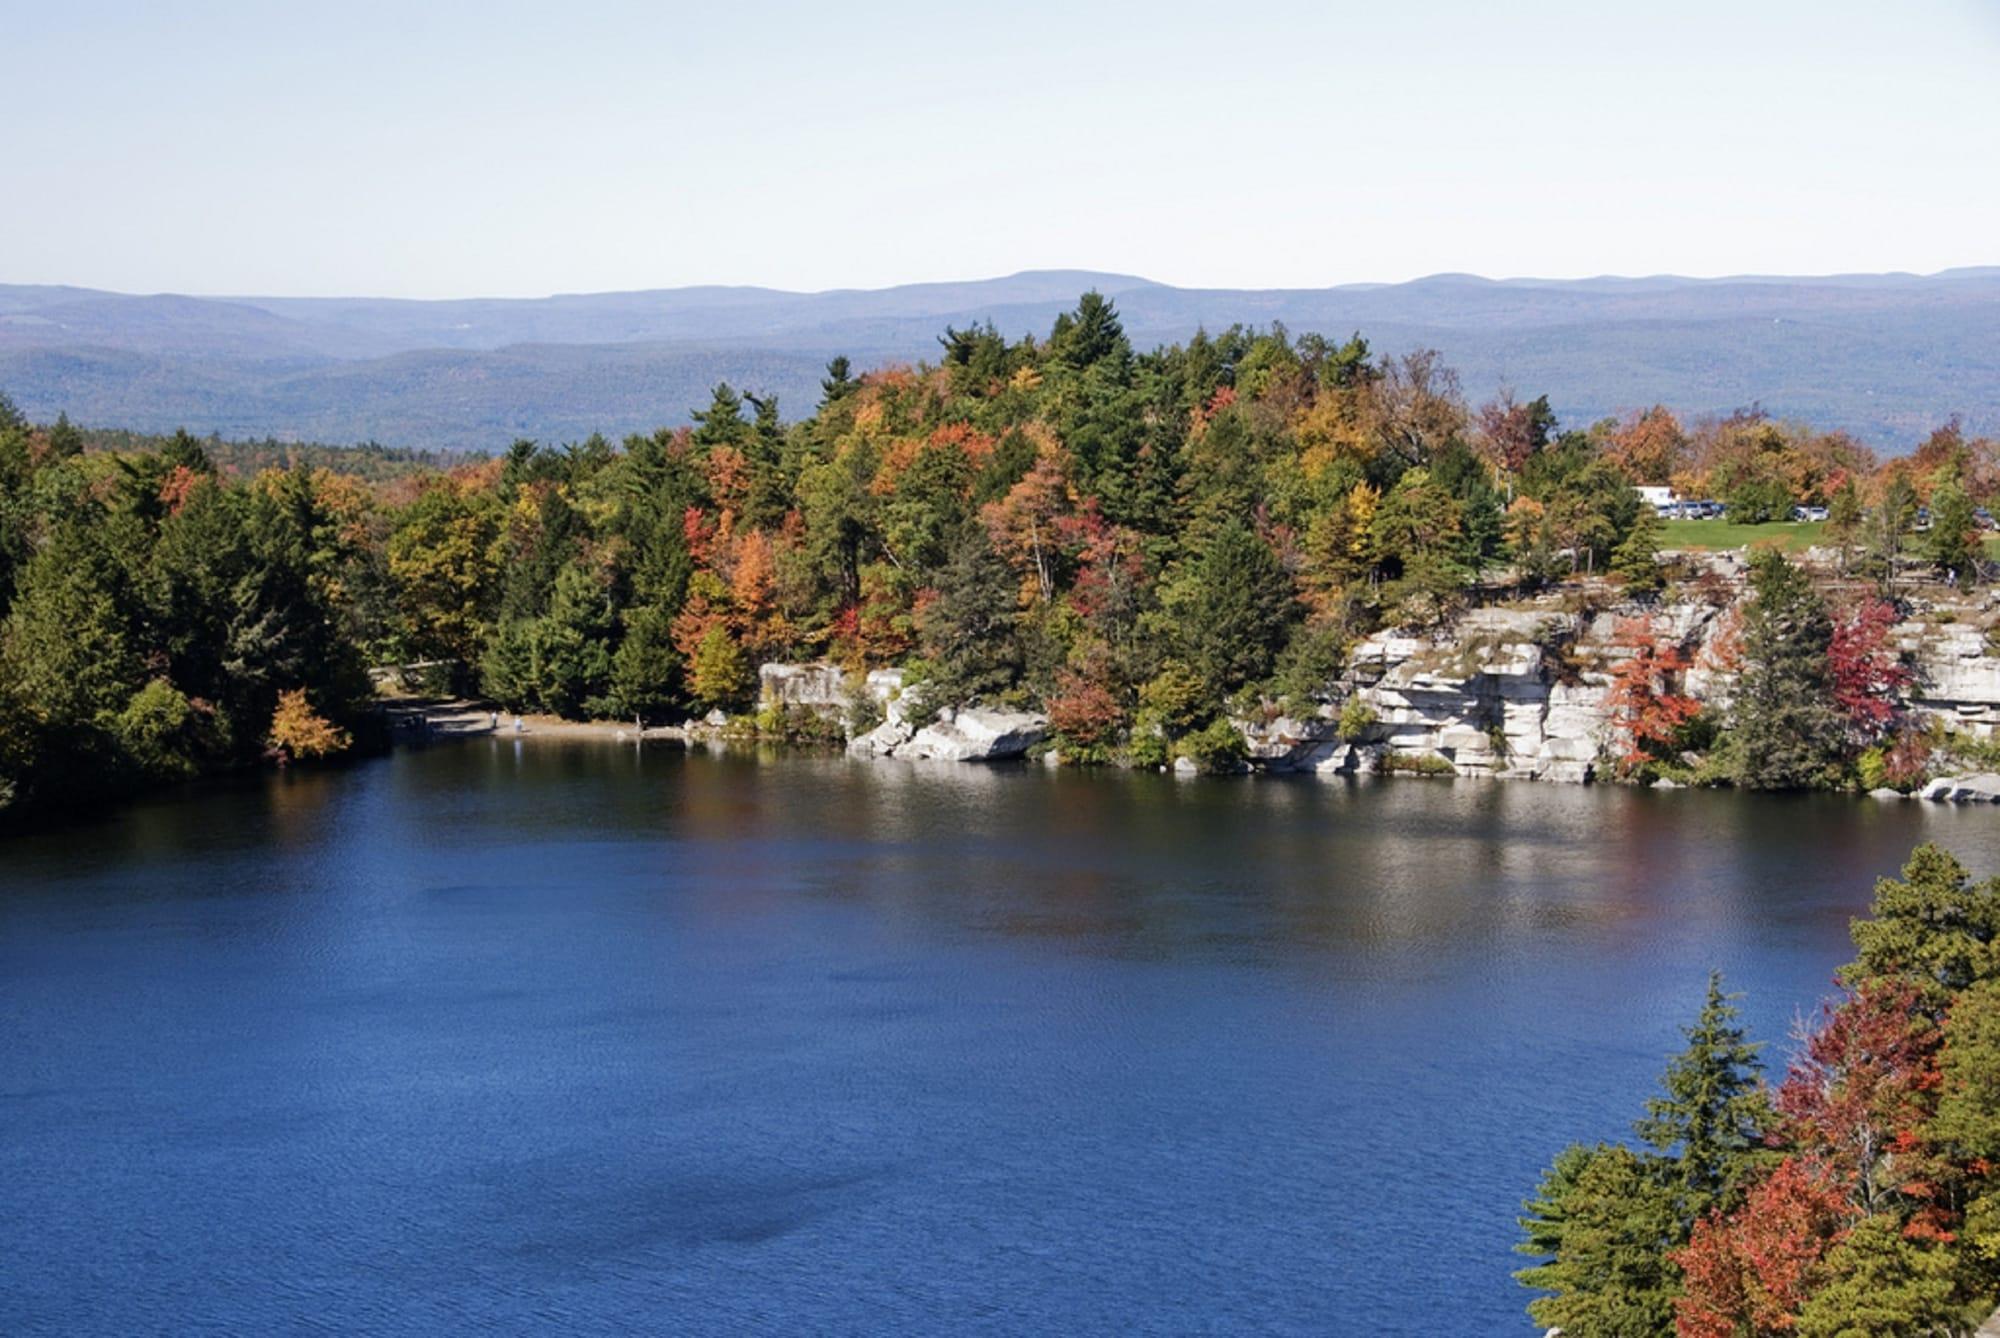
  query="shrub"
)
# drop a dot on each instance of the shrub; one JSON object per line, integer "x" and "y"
{"x": 1357, "y": 717}
{"x": 1416, "y": 764}
{"x": 1216, "y": 747}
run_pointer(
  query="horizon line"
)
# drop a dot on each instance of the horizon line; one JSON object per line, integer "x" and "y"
{"x": 1134, "y": 281}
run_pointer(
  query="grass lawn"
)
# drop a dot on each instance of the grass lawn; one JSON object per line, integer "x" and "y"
{"x": 1791, "y": 535}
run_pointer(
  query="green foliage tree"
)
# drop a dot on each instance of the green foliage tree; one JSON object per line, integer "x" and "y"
{"x": 1882, "y": 1282}
{"x": 1934, "y": 926}
{"x": 1954, "y": 533}
{"x": 1230, "y": 608}
{"x": 1636, "y": 560}
{"x": 1604, "y": 1226}
{"x": 971, "y": 635}
{"x": 572, "y": 646}
{"x": 645, "y": 669}
{"x": 1844, "y": 519}
{"x": 1710, "y": 1118}
{"x": 719, "y": 676}
{"x": 1787, "y": 728}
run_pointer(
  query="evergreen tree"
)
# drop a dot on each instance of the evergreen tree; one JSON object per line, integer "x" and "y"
{"x": 1933, "y": 926}
{"x": 572, "y": 645}
{"x": 1844, "y": 518}
{"x": 970, "y": 631}
{"x": 1881, "y": 1282}
{"x": 1954, "y": 536}
{"x": 507, "y": 669}
{"x": 65, "y": 442}
{"x": 645, "y": 669}
{"x": 1787, "y": 727}
{"x": 1606, "y": 1227}
{"x": 721, "y": 423}
{"x": 1636, "y": 560}
{"x": 1231, "y": 608}
{"x": 1710, "y": 1118}
{"x": 838, "y": 384}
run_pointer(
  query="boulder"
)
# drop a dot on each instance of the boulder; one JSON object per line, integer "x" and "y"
{"x": 881, "y": 741}
{"x": 976, "y": 734}
{"x": 1983, "y": 788}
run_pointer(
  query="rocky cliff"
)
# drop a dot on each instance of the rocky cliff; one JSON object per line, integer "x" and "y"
{"x": 1519, "y": 691}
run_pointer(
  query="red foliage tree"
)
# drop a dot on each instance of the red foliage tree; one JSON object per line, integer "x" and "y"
{"x": 1867, "y": 670}
{"x": 1859, "y": 1095}
{"x": 1749, "y": 1272}
{"x": 178, "y": 486}
{"x": 1646, "y": 706}
{"x": 1084, "y": 711}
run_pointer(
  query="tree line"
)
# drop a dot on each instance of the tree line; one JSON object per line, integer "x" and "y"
{"x": 1138, "y": 542}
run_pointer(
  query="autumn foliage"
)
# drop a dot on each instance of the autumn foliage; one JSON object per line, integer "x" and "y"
{"x": 1868, "y": 671}
{"x": 298, "y": 732}
{"x": 1647, "y": 704}
{"x": 1748, "y": 1273}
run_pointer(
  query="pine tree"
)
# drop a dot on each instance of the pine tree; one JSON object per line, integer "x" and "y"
{"x": 1787, "y": 727}
{"x": 1606, "y": 1227}
{"x": 646, "y": 669}
{"x": 969, "y": 630}
{"x": 1954, "y": 536}
{"x": 838, "y": 383}
{"x": 1231, "y": 608}
{"x": 1844, "y": 517}
{"x": 1636, "y": 560}
{"x": 1933, "y": 926}
{"x": 1710, "y": 1119}
{"x": 572, "y": 644}
{"x": 1881, "y": 1282}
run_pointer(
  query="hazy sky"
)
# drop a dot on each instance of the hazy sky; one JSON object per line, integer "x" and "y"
{"x": 423, "y": 150}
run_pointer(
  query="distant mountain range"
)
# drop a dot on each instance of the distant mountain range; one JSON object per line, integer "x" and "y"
{"x": 1884, "y": 356}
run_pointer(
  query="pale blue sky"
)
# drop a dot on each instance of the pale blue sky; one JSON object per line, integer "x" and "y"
{"x": 429, "y": 150}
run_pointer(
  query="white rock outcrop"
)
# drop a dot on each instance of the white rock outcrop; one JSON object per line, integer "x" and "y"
{"x": 1983, "y": 788}
{"x": 1488, "y": 697}
{"x": 976, "y": 734}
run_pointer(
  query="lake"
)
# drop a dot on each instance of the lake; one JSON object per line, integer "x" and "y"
{"x": 528, "y": 1036}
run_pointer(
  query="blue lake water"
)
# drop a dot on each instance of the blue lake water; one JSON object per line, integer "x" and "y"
{"x": 568, "y": 1038}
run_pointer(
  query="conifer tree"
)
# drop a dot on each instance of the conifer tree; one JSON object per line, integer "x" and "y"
{"x": 1933, "y": 927}
{"x": 1607, "y": 1228}
{"x": 1788, "y": 729}
{"x": 1954, "y": 536}
{"x": 969, "y": 631}
{"x": 1636, "y": 560}
{"x": 1711, "y": 1115}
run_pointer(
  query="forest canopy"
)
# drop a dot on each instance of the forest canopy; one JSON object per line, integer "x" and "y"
{"x": 1133, "y": 541}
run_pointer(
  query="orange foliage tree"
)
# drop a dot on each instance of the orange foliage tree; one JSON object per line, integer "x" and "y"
{"x": 298, "y": 731}
{"x": 1747, "y": 1274}
{"x": 1647, "y": 707}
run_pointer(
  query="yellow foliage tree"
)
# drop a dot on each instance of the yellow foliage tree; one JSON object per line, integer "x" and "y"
{"x": 298, "y": 731}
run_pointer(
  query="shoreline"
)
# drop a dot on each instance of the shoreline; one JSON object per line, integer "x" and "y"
{"x": 463, "y": 720}
{"x": 466, "y": 719}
